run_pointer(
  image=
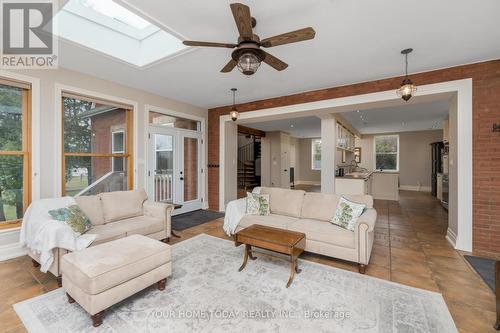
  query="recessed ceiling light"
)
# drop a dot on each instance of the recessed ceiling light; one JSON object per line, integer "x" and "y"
{"x": 291, "y": 125}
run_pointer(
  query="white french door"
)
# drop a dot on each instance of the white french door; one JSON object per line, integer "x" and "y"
{"x": 174, "y": 162}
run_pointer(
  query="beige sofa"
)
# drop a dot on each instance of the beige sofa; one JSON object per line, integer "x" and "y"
{"x": 117, "y": 215}
{"x": 310, "y": 213}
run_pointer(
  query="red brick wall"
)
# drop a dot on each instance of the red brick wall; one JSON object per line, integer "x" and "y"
{"x": 486, "y": 144}
{"x": 190, "y": 169}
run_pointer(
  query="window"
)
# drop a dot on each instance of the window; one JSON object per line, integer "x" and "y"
{"x": 386, "y": 152}
{"x": 118, "y": 147}
{"x": 97, "y": 146}
{"x": 164, "y": 120}
{"x": 316, "y": 154}
{"x": 15, "y": 154}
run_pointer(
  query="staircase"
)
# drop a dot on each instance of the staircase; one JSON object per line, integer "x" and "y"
{"x": 247, "y": 155}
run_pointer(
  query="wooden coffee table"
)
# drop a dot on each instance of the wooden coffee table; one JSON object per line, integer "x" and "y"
{"x": 274, "y": 239}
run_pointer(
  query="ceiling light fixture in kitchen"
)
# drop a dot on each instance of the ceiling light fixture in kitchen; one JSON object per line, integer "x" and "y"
{"x": 234, "y": 112}
{"x": 407, "y": 88}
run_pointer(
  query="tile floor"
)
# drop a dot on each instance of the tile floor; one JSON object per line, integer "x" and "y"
{"x": 410, "y": 248}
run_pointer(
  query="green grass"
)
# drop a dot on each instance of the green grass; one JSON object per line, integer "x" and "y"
{"x": 75, "y": 185}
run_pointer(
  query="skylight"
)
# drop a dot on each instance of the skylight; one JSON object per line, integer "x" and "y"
{"x": 110, "y": 28}
{"x": 112, "y": 10}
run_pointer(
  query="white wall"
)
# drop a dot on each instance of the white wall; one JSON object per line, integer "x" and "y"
{"x": 414, "y": 156}
{"x": 48, "y": 80}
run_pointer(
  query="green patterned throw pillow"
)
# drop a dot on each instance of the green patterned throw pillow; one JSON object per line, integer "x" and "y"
{"x": 74, "y": 217}
{"x": 347, "y": 214}
{"x": 257, "y": 204}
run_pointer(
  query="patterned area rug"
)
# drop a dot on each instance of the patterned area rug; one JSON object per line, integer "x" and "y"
{"x": 207, "y": 294}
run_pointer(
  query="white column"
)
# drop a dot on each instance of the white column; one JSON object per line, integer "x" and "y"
{"x": 230, "y": 162}
{"x": 328, "y": 153}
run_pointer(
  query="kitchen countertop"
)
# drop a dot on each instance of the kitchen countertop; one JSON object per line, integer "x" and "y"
{"x": 365, "y": 175}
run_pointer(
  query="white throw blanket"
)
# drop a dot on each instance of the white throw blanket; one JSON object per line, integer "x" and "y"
{"x": 235, "y": 211}
{"x": 41, "y": 233}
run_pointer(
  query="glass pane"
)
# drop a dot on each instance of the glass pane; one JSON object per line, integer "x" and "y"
{"x": 174, "y": 122}
{"x": 164, "y": 142}
{"x": 11, "y": 188}
{"x": 88, "y": 126}
{"x": 87, "y": 175}
{"x": 316, "y": 154}
{"x": 11, "y": 118}
{"x": 118, "y": 142}
{"x": 190, "y": 169}
{"x": 386, "y": 144}
{"x": 387, "y": 161}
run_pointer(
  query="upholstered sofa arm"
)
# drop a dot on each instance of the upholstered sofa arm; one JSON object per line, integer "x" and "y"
{"x": 161, "y": 211}
{"x": 368, "y": 218}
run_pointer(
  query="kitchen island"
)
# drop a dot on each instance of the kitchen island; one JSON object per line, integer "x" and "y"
{"x": 383, "y": 185}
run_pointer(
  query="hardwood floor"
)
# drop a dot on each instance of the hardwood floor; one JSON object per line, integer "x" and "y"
{"x": 410, "y": 248}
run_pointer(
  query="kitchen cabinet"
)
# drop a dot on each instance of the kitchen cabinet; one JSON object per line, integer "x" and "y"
{"x": 385, "y": 185}
{"x": 345, "y": 139}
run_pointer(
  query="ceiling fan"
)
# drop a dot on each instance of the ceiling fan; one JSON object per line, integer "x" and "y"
{"x": 249, "y": 54}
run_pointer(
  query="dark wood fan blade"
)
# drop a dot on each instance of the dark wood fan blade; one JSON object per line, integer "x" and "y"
{"x": 275, "y": 62}
{"x": 243, "y": 20}
{"x": 210, "y": 44}
{"x": 289, "y": 37}
{"x": 229, "y": 66}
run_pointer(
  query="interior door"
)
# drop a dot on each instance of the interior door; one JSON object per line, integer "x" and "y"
{"x": 174, "y": 173}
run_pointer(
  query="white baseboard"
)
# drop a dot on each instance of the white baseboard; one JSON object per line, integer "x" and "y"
{"x": 451, "y": 237}
{"x": 307, "y": 182}
{"x": 9, "y": 244}
{"x": 415, "y": 188}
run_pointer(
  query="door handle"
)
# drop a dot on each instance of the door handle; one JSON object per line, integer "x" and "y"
{"x": 182, "y": 178}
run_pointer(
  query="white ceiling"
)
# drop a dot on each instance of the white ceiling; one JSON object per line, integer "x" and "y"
{"x": 417, "y": 116}
{"x": 305, "y": 127}
{"x": 356, "y": 41}
{"x": 403, "y": 118}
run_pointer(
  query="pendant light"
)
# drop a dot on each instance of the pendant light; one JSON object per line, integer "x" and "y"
{"x": 234, "y": 113}
{"x": 407, "y": 88}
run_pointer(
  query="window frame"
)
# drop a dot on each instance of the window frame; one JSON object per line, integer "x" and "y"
{"x": 128, "y": 140}
{"x": 375, "y": 151}
{"x": 312, "y": 154}
{"x": 26, "y": 149}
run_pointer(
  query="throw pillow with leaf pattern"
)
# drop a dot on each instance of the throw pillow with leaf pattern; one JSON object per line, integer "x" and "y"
{"x": 74, "y": 217}
{"x": 347, "y": 214}
{"x": 257, "y": 204}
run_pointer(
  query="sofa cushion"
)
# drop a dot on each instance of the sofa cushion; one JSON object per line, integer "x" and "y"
{"x": 102, "y": 267}
{"x": 91, "y": 206}
{"x": 106, "y": 233}
{"x": 120, "y": 205}
{"x": 277, "y": 221}
{"x": 142, "y": 225}
{"x": 323, "y": 231}
{"x": 283, "y": 201}
{"x": 319, "y": 206}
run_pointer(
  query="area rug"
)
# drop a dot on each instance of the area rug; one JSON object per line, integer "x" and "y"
{"x": 485, "y": 268}
{"x": 183, "y": 221}
{"x": 207, "y": 294}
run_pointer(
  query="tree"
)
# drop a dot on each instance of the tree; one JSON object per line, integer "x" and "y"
{"x": 11, "y": 167}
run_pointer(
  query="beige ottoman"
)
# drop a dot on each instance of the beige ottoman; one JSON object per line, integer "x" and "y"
{"x": 103, "y": 275}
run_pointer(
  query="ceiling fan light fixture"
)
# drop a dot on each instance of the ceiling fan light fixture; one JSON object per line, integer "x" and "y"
{"x": 407, "y": 89}
{"x": 248, "y": 63}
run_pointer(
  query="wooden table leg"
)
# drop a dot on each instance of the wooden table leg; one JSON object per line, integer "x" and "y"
{"x": 248, "y": 253}
{"x": 294, "y": 268}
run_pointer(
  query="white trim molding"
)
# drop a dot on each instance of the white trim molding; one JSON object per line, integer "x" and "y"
{"x": 59, "y": 89}
{"x": 451, "y": 237}
{"x": 417, "y": 188}
{"x": 9, "y": 244}
{"x": 204, "y": 147}
{"x": 462, "y": 89}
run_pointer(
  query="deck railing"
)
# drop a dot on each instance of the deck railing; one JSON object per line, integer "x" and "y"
{"x": 163, "y": 185}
